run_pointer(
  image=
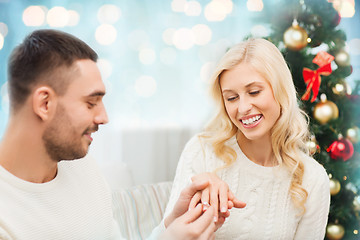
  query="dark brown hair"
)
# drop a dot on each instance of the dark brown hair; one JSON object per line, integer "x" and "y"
{"x": 44, "y": 57}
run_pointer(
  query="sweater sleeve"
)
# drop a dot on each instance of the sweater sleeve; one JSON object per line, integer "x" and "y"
{"x": 4, "y": 235}
{"x": 191, "y": 162}
{"x": 313, "y": 223}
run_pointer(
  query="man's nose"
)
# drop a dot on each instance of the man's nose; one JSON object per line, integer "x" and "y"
{"x": 101, "y": 116}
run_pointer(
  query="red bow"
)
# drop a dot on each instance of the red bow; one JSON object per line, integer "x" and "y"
{"x": 313, "y": 80}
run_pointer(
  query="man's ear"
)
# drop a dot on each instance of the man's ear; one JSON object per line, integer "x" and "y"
{"x": 44, "y": 102}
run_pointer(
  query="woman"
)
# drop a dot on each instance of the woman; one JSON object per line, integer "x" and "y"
{"x": 256, "y": 144}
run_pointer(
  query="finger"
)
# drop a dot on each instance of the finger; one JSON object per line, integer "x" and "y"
{"x": 194, "y": 187}
{"x": 230, "y": 204}
{"x": 220, "y": 222}
{"x": 209, "y": 233}
{"x": 238, "y": 204}
{"x": 205, "y": 221}
{"x": 205, "y": 198}
{"x": 195, "y": 200}
{"x": 214, "y": 200}
{"x": 230, "y": 195}
{"x": 192, "y": 214}
{"x": 225, "y": 214}
{"x": 223, "y": 197}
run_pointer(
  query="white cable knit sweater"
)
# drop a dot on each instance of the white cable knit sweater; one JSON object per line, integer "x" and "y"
{"x": 270, "y": 213}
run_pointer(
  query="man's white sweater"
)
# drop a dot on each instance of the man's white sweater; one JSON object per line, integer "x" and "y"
{"x": 76, "y": 204}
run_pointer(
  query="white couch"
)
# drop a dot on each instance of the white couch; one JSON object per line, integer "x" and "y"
{"x": 139, "y": 209}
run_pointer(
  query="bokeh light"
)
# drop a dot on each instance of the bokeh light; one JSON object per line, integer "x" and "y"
{"x": 1, "y": 41}
{"x": 145, "y": 86}
{"x": 345, "y": 8}
{"x": 34, "y": 16}
{"x": 255, "y": 5}
{"x": 3, "y": 29}
{"x": 259, "y": 31}
{"x": 202, "y": 34}
{"x": 74, "y": 18}
{"x": 192, "y": 8}
{"x": 217, "y": 10}
{"x": 168, "y": 36}
{"x": 109, "y": 14}
{"x": 147, "y": 56}
{"x": 105, "y": 34}
{"x": 178, "y": 5}
{"x": 184, "y": 38}
{"x": 57, "y": 17}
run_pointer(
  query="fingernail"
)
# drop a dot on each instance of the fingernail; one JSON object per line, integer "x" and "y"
{"x": 223, "y": 209}
{"x": 215, "y": 219}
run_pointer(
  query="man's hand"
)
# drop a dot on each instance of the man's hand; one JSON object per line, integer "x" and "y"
{"x": 194, "y": 224}
{"x": 182, "y": 204}
{"x": 217, "y": 194}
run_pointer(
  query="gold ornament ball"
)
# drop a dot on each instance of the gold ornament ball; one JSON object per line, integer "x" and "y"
{"x": 325, "y": 110}
{"x": 342, "y": 58}
{"x": 342, "y": 88}
{"x": 334, "y": 186}
{"x": 312, "y": 145}
{"x": 295, "y": 37}
{"x": 334, "y": 231}
{"x": 353, "y": 134}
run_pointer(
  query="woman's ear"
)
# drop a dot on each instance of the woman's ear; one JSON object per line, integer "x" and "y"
{"x": 44, "y": 102}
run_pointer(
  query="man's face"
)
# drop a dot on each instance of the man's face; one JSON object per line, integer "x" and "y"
{"x": 79, "y": 112}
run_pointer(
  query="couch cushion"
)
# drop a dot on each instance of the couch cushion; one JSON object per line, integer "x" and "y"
{"x": 139, "y": 209}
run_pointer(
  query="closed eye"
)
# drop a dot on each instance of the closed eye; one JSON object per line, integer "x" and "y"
{"x": 232, "y": 98}
{"x": 254, "y": 92}
{"x": 91, "y": 105}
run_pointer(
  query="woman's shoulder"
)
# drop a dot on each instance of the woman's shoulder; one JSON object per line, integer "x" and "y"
{"x": 198, "y": 141}
{"x": 313, "y": 170}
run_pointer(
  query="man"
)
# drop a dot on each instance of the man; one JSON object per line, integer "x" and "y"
{"x": 56, "y": 104}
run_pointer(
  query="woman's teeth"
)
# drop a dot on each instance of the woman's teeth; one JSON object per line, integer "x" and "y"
{"x": 251, "y": 120}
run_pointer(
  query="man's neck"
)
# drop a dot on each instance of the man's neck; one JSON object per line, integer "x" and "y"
{"x": 23, "y": 155}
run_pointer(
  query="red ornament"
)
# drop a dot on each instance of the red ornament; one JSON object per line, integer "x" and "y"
{"x": 312, "y": 77}
{"x": 336, "y": 20}
{"x": 341, "y": 149}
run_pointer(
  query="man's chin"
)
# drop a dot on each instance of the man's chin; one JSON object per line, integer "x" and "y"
{"x": 75, "y": 156}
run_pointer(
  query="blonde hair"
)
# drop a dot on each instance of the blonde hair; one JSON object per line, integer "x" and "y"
{"x": 290, "y": 132}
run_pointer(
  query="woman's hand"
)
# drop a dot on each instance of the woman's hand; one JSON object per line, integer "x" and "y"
{"x": 217, "y": 194}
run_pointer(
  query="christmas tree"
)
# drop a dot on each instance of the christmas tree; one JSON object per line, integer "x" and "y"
{"x": 308, "y": 35}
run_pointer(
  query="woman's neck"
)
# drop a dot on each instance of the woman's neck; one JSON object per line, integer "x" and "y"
{"x": 259, "y": 151}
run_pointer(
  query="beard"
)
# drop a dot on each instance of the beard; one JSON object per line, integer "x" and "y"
{"x": 62, "y": 140}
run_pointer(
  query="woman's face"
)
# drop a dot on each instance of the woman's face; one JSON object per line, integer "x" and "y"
{"x": 249, "y": 101}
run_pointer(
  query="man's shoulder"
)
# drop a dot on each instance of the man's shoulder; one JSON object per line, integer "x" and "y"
{"x": 85, "y": 167}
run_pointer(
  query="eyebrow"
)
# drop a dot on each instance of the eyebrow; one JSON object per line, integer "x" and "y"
{"x": 246, "y": 86}
{"x": 96, "y": 94}
{"x": 253, "y": 83}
